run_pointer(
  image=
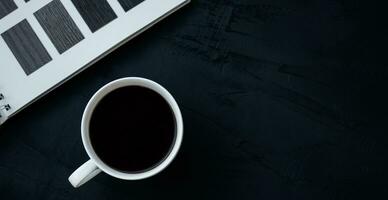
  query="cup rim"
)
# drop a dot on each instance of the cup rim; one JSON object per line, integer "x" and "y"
{"x": 131, "y": 81}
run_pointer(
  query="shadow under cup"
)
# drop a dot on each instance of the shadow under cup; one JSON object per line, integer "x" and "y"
{"x": 132, "y": 129}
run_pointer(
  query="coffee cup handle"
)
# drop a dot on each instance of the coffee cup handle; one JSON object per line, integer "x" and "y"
{"x": 84, "y": 173}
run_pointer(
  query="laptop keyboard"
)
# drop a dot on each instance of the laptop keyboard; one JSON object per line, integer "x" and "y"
{"x": 58, "y": 25}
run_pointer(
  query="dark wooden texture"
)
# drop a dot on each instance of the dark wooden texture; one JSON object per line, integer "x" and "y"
{"x": 26, "y": 47}
{"x": 6, "y": 7}
{"x": 280, "y": 100}
{"x": 59, "y": 26}
{"x": 128, "y": 4}
{"x": 96, "y": 13}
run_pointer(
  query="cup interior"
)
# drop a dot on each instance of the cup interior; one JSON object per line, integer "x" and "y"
{"x": 101, "y": 93}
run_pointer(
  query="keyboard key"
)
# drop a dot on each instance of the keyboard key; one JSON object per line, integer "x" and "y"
{"x": 26, "y": 47}
{"x": 128, "y": 4}
{"x": 59, "y": 26}
{"x": 6, "y": 7}
{"x": 96, "y": 13}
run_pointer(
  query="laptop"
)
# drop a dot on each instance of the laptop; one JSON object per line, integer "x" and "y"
{"x": 43, "y": 43}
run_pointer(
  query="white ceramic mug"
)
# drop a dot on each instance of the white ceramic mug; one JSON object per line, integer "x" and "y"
{"x": 95, "y": 165}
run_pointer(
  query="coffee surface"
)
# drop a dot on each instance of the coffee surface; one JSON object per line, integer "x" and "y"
{"x": 132, "y": 129}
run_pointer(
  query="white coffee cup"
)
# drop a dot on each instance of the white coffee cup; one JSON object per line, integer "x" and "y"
{"x": 95, "y": 165}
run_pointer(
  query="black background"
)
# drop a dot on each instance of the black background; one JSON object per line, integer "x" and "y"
{"x": 281, "y": 100}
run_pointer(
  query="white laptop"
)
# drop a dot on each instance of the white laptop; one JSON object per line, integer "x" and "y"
{"x": 45, "y": 42}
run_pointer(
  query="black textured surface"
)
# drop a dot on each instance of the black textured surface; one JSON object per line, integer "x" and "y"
{"x": 6, "y": 7}
{"x": 96, "y": 13}
{"x": 26, "y": 47}
{"x": 59, "y": 26}
{"x": 280, "y": 99}
{"x": 128, "y": 4}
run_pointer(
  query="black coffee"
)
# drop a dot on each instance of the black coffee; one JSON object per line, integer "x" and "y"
{"x": 132, "y": 129}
